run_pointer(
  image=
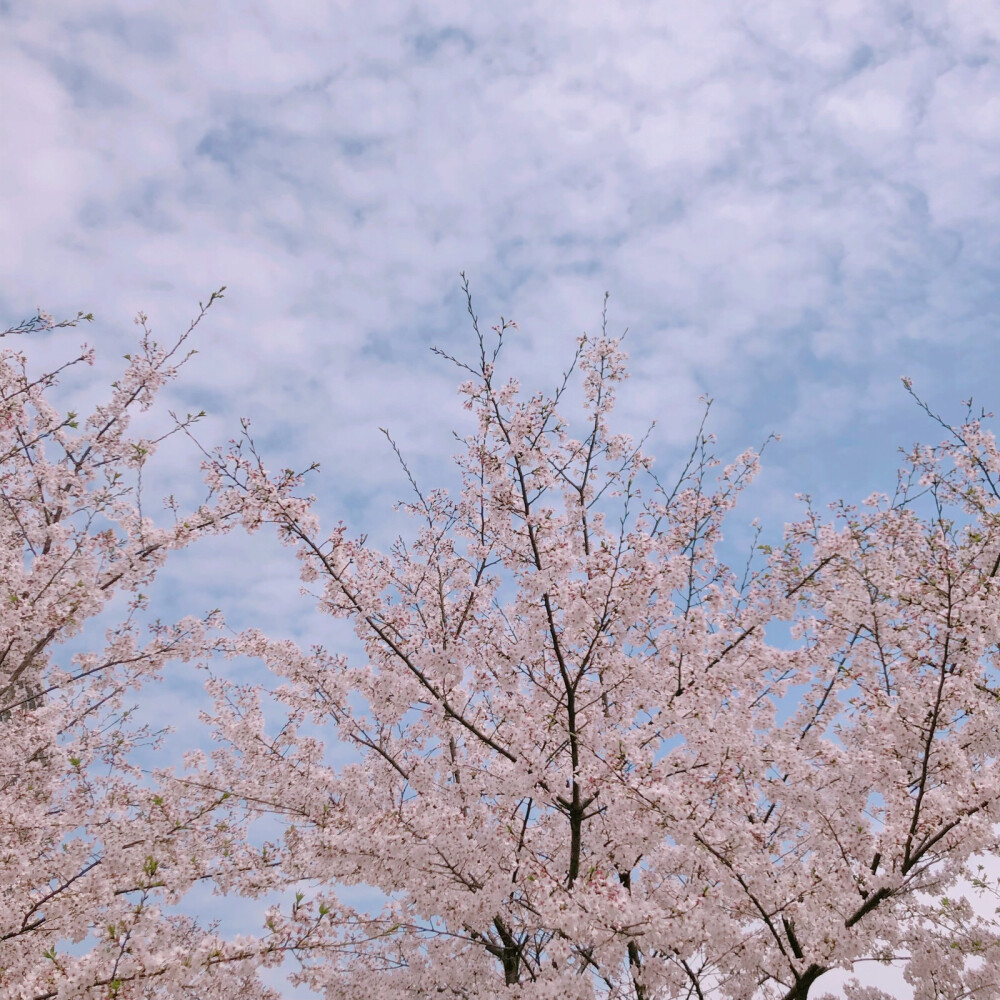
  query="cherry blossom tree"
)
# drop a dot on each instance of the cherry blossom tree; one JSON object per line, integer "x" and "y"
{"x": 591, "y": 759}
{"x": 92, "y": 849}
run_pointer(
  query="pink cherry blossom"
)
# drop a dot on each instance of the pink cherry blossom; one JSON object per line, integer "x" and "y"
{"x": 572, "y": 778}
{"x": 90, "y": 851}
{"x": 580, "y": 763}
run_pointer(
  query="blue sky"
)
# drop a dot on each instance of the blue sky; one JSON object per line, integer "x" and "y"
{"x": 792, "y": 205}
